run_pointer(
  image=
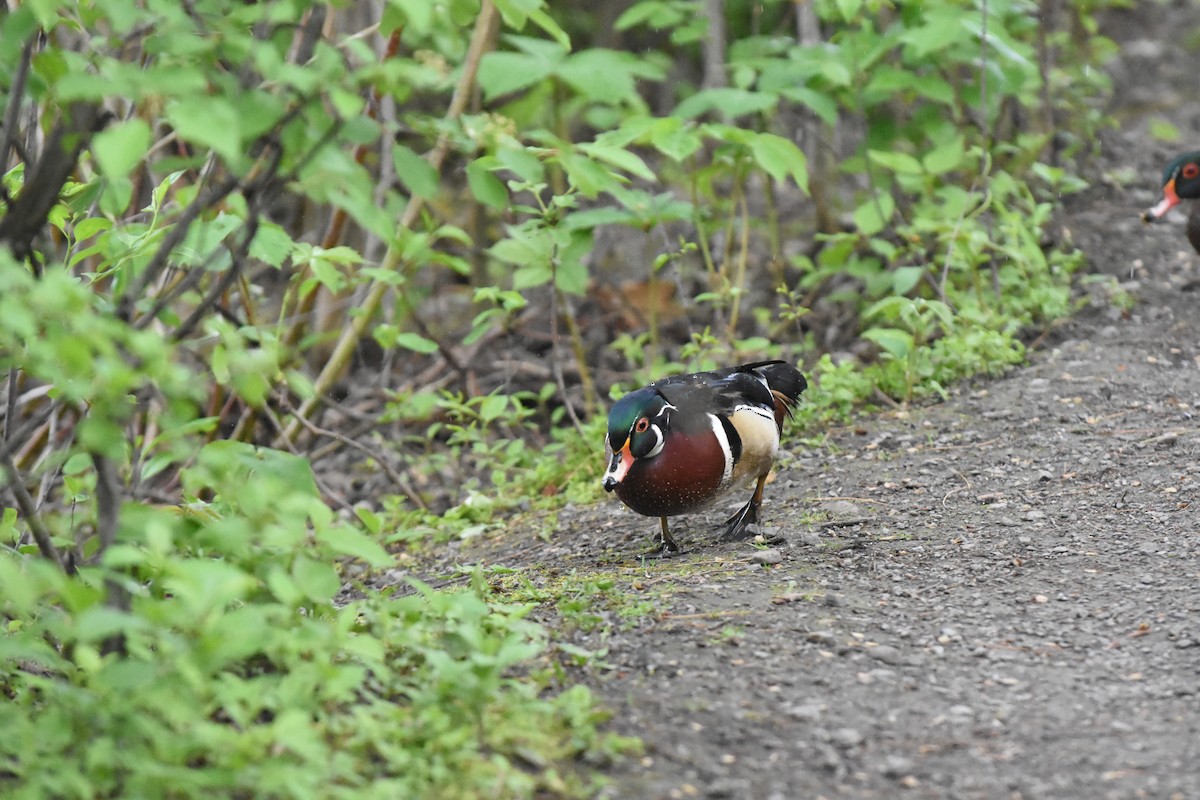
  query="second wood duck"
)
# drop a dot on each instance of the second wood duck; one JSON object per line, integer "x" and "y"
{"x": 679, "y": 444}
{"x": 1181, "y": 181}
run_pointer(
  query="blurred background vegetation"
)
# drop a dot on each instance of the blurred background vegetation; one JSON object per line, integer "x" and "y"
{"x": 290, "y": 287}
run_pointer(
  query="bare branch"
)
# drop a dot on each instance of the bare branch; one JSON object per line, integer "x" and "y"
{"x": 41, "y": 535}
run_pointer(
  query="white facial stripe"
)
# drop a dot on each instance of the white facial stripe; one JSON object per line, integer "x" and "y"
{"x": 723, "y": 440}
{"x": 658, "y": 434}
{"x": 666, "y": 407}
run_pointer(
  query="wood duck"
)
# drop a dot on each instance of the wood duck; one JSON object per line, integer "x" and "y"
{"x": 682, "y": 442}
{"x": 1181, "y": 181}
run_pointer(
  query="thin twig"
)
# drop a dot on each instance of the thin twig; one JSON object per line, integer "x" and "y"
{"x": 108, "y": 501}
{"x": 25, "y": 502}
{"x": 16, "y": 95}
{"x": 555, "y": 361}
{"x": 395, "y": 477}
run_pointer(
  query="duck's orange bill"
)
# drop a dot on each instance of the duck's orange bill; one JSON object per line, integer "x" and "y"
{"x": 619, "y": 466}
{"x": 1169, "y": 201}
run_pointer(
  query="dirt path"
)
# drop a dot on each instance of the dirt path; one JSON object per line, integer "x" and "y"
{"x": 1003, "y": 599}
{"x": 1017, "y": 616}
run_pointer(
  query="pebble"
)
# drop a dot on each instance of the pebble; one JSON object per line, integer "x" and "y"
{"x": 728, "y": 787}
{"x": 822, "y": 637}
{"x": 805, "y": 712}
{"x": 887, "y": 654}
{"x": 894, "y": 766}
{"x": 765, "y": 557}
{"x": 846, "y": 737}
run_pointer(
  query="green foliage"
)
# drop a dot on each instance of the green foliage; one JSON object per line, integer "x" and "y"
{"x": 230, "y": 688}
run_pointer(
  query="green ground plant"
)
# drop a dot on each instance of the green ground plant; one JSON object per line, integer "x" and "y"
{"x": 209, "y": 210}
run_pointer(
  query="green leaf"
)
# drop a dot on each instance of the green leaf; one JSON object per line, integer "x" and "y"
{"x": 905, "y": 278}
{"x": 588, "y": 176}
{"x": 728, "y": 102}
{"x": 485, "y": 186}
{"x": 946, "y": 156}
{"x": 849, "y": 9}
{"x": 819, "y": 103}
{"x": 1163, "y": 130}
{"x": 317, "y": 580}
{"x": 900, "y": 163}
{"x": 894, "y": 341}
{"x": 415, "y": 172}
{"x": 620, "y": 158}
{"x": 502, "y": 73}
{"x": 416, "y": 342}
{"x": 523, "y": 163}
{"x": 209, "y": 121}
{"x": 874, "y": 215}
{"x": 492, "y": 407}
{"x": 350, "y": 542}
{"x": 780, "y": 158}
{"x": 122, "y": 147}
{"x": 271, "y": 244}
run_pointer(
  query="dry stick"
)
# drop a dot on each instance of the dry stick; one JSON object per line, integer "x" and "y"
{"x": 10, "y": 408}
{"x": 219, "y": 288}
{"x": 591, "y": 399}
{"x": 203, "y": 201}
{"x": 396, "y": 477}
{"x": 108, "y": 512}
{"x": 15, "y": 96}
{"x": 26, "y": 504}
{"x": 987, "y": 125}
{"x": 343, "y": 351}
{"x": 743, "y": 258}
{"x": 555, "y": 362}
{"x": 108, "y": 501}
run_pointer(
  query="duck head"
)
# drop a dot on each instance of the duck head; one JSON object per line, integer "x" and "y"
{"x": 637, "y": 429}
{"x": 1181, "y": 181}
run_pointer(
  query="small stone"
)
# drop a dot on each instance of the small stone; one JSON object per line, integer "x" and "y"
{"x": 846, "y": 737}
{"x": 728, "y": 787}
{"x": 766, "y": 557}
{"x": 841, "y": 508}
{"x": 822, "y": 637}
{"x": 895, "y": 766}
{"x": 805, "y": 712}
{"x": 887, "y": 654}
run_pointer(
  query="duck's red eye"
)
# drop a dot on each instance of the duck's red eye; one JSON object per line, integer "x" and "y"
{"x": 642, "y": 425}
{"x": 1190, "y": 170}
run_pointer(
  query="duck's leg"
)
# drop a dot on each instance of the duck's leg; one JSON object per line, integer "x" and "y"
{"x": 668, "y": 544}
{"x": 735, "y": 526}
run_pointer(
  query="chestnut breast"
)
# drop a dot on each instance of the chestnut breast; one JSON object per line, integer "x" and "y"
{"x": 684, "y": 477}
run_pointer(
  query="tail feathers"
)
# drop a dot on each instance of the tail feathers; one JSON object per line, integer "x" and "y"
{"x": 786, "y": 384}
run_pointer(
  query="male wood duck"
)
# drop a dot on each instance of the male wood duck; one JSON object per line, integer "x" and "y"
{"x": 1181, "y": 181}
{"x": 682, "y": 442}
